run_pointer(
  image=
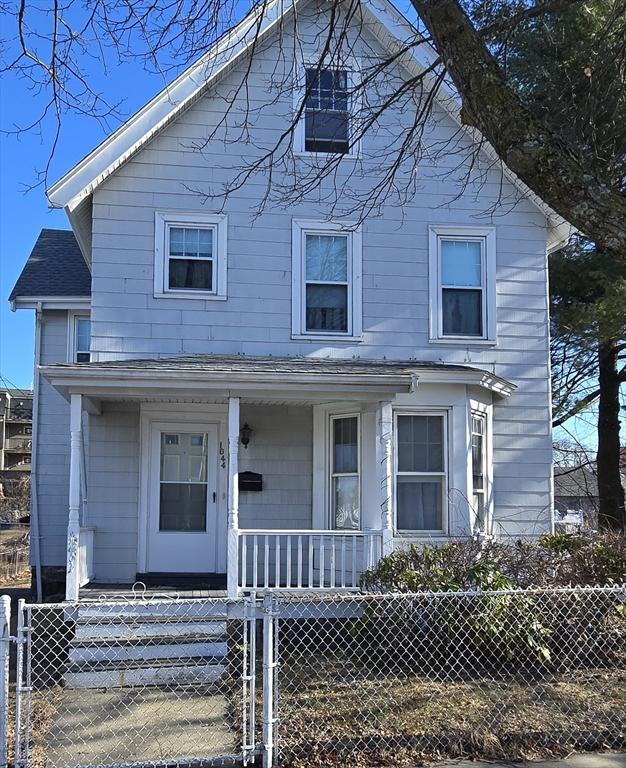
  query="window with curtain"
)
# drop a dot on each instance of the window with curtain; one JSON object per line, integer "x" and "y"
{"x": 190, "y": 258}
{"x": 326, "y": 113}
{"x": 82, "y": 339}
{"x": 478, "y": 468}
{"x": 345, "y": 480}
{"x": 326, "y": 272}
{"x": 420, "y": 472}
{"x": 462, "y": 289}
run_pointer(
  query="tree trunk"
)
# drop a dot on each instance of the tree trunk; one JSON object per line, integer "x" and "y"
{"x": 552, "y": 169}
{"x": 611, "y": 513}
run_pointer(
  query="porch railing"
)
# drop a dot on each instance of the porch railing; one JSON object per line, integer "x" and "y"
{"x": 306, "y": 559}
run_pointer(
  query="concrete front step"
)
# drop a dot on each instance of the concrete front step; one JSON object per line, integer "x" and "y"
{"x": 131, "y": 630}
{"x": 157, "y": 673}
{"x": 116, "y": 652}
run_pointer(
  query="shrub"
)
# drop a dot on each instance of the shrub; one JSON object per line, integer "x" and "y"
{"x": 553, "y": 560}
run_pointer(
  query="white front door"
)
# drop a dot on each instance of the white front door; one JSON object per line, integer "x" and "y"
{"x": 182, "y": 514}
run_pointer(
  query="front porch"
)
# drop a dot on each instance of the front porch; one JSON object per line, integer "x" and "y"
{"x": 255, "y": 474}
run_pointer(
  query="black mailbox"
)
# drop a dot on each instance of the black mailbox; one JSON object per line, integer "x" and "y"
{"x": 250, "y": 481}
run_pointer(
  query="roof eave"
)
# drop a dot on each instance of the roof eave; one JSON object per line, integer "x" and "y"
{"x": 97, "y": 381}
{"x": 50, "y": 302}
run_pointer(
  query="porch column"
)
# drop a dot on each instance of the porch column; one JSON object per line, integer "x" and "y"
{"x": 232, "y": 565}
{"x": 73, "y": 523}
{"x": 384, "y": 457}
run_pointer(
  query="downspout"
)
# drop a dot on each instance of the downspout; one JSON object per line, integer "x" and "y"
{"x": 34, "y": 510}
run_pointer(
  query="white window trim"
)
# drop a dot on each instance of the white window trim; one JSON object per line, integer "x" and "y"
{"x": 300, "y": 228}
{"x": 445, "y": 490}
{"x": 486, "y": 411}
{"x": 165, "y": 219}
{"x": 352, "y": 67}
{"x": 329, "y": 469}
{"x": 72, "y": 318}
{"x": 488, "y": 236}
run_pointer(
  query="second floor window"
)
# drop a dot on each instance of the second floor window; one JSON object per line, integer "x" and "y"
{"x": 327, "y": 115}
{"x": 82, "y": 339}
{"x": 326, "y": 280}
{"x": 190, "y": 255}
{"x": 462, "y": 284}
{"x": 190, "y": 258}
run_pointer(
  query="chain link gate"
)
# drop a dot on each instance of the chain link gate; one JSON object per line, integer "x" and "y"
{"x": 148, "y": 682}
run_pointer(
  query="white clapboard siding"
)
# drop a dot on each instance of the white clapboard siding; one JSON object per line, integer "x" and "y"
{"x": 129, "y": 322}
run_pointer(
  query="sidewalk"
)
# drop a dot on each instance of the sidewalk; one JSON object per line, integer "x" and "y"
{"x": 590, "y": 760}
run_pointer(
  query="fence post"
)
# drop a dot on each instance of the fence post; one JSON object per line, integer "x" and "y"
{"x": 269, "y": 665}
{"x": 5, "y": 642}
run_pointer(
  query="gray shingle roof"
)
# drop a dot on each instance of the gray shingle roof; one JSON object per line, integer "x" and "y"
{"x": 249, "y": 364}
{"x": 55, "y": 267}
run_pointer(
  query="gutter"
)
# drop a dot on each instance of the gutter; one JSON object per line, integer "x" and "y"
{"x": 34, "y": 507}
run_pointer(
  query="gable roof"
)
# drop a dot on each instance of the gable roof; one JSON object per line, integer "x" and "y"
{"x": 74, "y": 190}
{"x": 55, "y": 269}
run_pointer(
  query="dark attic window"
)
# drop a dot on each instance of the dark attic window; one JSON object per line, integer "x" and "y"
{"x": 327, "y": 119}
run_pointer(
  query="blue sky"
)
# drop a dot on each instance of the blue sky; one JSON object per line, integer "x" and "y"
{"x": 24, "y": 213}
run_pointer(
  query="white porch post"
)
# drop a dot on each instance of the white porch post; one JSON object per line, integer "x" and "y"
{"x": 384, "y": 456}
{"x": 73, "y": 523}
{"x": 232, "y": 566}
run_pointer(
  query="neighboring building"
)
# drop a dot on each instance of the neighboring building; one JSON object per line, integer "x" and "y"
{"x": 576, "y": 498}
{"x": 276, "y": 400}
{"x": 16, "y": 430}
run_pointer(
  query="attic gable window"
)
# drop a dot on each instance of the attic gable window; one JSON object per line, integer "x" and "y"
{"x": 190, "y": 255}
{"x": 327, "y": 115}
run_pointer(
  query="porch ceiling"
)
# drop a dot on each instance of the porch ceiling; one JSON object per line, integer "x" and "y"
{"x": 270, "y": 379}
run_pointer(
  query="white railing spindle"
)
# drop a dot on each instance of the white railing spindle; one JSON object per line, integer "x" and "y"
{"x": 344, "y": 554}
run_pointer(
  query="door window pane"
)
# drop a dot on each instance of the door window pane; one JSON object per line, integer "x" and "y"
{"x": 182, "y": 507}
{"x": 461, "y": 312}
{"x": 183, "y": 482}
{"x": 419, "y": 503}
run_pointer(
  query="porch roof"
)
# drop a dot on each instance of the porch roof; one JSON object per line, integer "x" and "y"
{"x": 221, "y": 376}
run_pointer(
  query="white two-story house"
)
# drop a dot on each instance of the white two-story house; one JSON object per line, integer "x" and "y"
{"x": 230, "y": 393}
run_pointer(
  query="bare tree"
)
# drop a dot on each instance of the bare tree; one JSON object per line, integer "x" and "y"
{"x": 52, "y": 45}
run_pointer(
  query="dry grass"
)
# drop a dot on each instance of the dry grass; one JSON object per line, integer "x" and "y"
{"x": 43, "y": 708}
{"x": 14, "y": 556}
{"x": 398, "y": 720}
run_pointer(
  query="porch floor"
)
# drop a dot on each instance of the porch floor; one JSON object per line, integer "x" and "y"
{"x": 96, "y": 592}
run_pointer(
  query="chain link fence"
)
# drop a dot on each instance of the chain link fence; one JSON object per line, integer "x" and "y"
{"x": 145, "y": 682}
{"x": 305, "y": 680}
{"x": 371, "y": 680}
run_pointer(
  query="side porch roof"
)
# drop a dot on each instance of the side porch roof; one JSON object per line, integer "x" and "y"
{"x": 217, "y": 377}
